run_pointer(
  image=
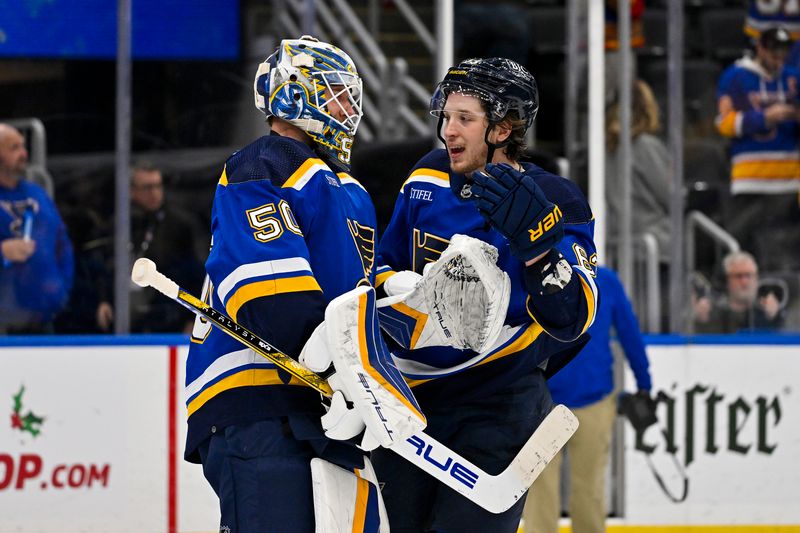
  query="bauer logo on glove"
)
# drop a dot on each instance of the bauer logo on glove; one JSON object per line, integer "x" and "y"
{"x": 546, "y": 224}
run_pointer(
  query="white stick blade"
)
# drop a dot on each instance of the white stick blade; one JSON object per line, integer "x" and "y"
{"x": 551, "y": 435}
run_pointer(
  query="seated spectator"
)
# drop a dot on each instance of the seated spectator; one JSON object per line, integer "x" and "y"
{"x": 742, "y": 308}
{"x": 37, "y": 267}
{"x": 586, "y": 385}
{"x": 164, "y": 234}
{"x": 758, "y": 110}
{"x": 650, "y": 183}
{"x": 650, "y": 180}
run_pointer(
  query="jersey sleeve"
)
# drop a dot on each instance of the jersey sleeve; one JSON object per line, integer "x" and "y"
{"x": 567, "y": 314}
{"x": 260, "y": 264}
{"x": 628, "y": 332}
{"x": 735, "y": 116}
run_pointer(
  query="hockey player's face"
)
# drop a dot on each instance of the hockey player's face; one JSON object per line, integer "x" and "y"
{"x": 464, "y": 129}
{"x": 338, "y": 105}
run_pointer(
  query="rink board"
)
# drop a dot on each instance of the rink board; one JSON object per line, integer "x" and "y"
{"x": 732, "y": 421}
{"x": 107, "y": 455}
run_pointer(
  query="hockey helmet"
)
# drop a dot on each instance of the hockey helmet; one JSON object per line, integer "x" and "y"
{"x": 299, "y": 81}
{"x": 501, "y": 84}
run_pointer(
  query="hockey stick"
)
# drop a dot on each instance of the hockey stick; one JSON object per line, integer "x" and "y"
{"x": 494, "y": 493}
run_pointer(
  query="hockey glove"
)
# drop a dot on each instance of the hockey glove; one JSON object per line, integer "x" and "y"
{"x": 461, "y": 300}
{"x": 639, "y": 408}
{"x": 515, "y": 205}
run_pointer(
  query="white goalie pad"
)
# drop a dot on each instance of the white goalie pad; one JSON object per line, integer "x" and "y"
{"x": 345, "y": 501}
{"x": 461, "y": 300}
{"x": 366, "y": 376}
{"x": 315, "y": 354}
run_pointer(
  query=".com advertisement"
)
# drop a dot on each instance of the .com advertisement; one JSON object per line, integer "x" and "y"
{"x": 83, "y": 439}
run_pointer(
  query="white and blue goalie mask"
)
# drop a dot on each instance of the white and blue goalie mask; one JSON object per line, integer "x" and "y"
{"x": 316, "y": 87}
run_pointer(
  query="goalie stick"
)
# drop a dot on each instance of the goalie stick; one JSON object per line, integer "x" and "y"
{"x": 496, "y": 494}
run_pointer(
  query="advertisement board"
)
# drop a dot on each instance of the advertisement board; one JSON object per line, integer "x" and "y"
{"x": 83, "y": 446}
{"x": 92, "y": 440}
{"x": 729, "y": 429}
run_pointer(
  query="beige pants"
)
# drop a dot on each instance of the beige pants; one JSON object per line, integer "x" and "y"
{"x": 588, "y": 457}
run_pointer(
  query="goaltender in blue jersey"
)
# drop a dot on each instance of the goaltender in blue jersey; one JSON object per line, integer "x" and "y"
{"x": 293, "y": 244}
{"x": 485, "y": 405}
{"x": 271, "y": 279}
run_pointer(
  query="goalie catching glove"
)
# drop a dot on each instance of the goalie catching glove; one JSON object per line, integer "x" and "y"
{"x": 370, "y": 394}
{"x": 461, "y": 300}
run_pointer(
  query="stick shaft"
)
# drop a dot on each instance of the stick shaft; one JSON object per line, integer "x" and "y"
{"x": 254, "y": 342}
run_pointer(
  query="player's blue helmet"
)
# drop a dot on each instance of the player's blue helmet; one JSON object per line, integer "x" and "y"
{"x": 502, "y": 84}
{"x": 301, "y": 80}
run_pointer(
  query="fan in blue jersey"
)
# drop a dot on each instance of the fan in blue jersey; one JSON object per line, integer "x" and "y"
{"x": 36, "y": 257}
{"x": 758, "y": 100}
{"x": 486, "y": 404}
{"x": 293, "y": 243}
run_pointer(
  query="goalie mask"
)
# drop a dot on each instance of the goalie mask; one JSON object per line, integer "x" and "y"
{"x": 314, "y": 86}
{"x": 500, "y": 84}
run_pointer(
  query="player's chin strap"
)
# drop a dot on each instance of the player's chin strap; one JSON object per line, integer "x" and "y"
{"x": 493, "y": 146}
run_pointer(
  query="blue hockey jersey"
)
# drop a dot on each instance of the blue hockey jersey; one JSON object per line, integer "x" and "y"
{"x": 763, "y": 15}
{"x": 426, "y": 215}
{"x": 36, "y": 289}
{"x": 763, "y": 160}
{"x": 288, "y": 236}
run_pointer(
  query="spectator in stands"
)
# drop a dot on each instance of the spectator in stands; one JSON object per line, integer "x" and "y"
{"x": 650, "y": 185}
{"x": 164, "y": 234}
{"x": 758, "y": 111}
{"x": 762, "y": 16}
{"x": 742, "y": 308}
{"x": 586, "y": 386}
{"x": 37, "y": 268}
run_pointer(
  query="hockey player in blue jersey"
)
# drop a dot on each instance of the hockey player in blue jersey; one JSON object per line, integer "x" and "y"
{"x": 483, "y": 404}
{"x": 293, "y": 244}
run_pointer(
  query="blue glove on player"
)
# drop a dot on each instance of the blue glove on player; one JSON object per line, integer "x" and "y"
{"x": 515, "y": 205}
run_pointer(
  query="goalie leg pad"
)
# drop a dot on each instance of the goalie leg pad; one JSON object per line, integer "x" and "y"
{"x": 365, "y": 372}
{"x": 346, "y": 501}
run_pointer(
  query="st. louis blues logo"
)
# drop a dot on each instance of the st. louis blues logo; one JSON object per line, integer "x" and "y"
{"x": 288, "y": 102}
{"x": 364, "y": 238}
